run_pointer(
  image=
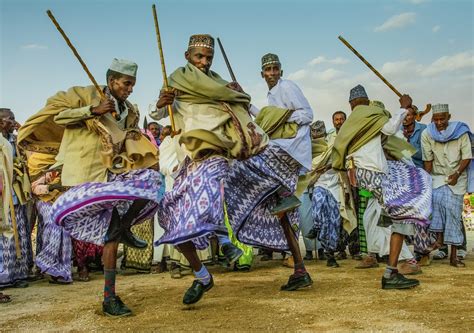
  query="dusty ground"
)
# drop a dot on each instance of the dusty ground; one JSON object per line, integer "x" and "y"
{"x": 342, "y": 299}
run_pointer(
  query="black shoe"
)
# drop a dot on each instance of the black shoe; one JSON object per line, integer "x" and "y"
{"x": 231, "y": 252}
{"x": 297, "y": 282}
{"x": 308, "y": 256}
{"x": 398, "y": 281}
{"x": 115, "y": 308}
{"x": 341, "y": 256}
{"x": 195, "y": 292}
{"x": 321, "y": 255}
{"x": 332, "y": 262}
{"x": 129, "y": 239}
{"x": 286, "y": 204}
{"x": 382, "y": 259}
{"x": 312, "y": 234}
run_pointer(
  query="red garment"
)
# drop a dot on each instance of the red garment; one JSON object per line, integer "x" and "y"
{"x": 85, "y": 253}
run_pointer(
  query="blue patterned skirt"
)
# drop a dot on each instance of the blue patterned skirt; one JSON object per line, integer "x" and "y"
{"x": 251, "y": 192}
{"x": 13, "y": 269}
{"x": 326, "y": 218}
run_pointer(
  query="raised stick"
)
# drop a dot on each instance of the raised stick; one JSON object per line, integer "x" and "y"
{"x": 419, "y": 115}
{"x": 229, "y": 67}
{"x": 376, "y": 72}
{"x": 163, "y": 69}
{"x": 78, "y": 57}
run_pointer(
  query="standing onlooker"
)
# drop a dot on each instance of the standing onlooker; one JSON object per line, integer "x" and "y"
{"x": 338, "y": 119}
{"x": 155, "y": 130}
{"x": 446, "y": 154}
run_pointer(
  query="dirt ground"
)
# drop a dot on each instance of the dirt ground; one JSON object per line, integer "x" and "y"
{"x": 341, "y": 299}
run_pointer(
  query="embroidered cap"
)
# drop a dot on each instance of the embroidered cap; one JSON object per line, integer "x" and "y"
{"x": 357, "y": 92}
{"x": 202, "y": 40}
{"x": 440, "y": 108}
{"x": 318, "y": 129}
{"x": 125, "y": 67}
{"x": 270, "y": 59}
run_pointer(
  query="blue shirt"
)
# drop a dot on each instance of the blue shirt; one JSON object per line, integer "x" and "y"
{"x": 415, "y": 141}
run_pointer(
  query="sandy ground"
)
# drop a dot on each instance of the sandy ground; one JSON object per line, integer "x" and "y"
{"x": 341, "y": 299}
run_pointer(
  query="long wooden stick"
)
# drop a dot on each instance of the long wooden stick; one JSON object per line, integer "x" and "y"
{"x": 78, "y": 57}
{"x": 229, "y": 67}
{"x": 376, "y": 72}
{"x": 163, "y": 69}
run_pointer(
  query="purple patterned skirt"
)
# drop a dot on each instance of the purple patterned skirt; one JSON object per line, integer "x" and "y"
{"x": 54, "y": 255}
{"x": 251, "y": 192}
{"x": 85, "y": 210}
{"x": 194, "y": 209}
{"x": 405, "y": 192}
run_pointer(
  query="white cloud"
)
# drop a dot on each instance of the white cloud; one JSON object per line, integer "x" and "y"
{"x": 436, "y": 28}
{"x": 34, "y": 47}
{"x": 329, "y": 74}
{"x": 397, "y": 21}
{"x": 450, "y": 63}
{"x": 323, "y": 59}
{"x": 298, "y": 75}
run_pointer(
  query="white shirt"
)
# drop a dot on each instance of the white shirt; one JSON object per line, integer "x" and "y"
{"x": 446, "y": 158}
{"x": 286, "y": 94}
{"x": 371, "y": 156}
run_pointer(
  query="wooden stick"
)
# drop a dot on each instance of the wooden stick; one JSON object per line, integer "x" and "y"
{"x": 78, "y": 57}
{"x": 229, "y": 67}
{"x": 376, "y": 72}
{"x": 163, "y": 70}
{"x": 15, "y": 228}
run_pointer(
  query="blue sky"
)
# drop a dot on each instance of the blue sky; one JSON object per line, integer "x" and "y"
{"x": 425, "y": 48}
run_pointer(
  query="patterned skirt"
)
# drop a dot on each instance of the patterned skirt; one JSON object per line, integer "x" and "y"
{"x": 194, "y": 209}
{"x": 447, "y": 215}
{"x": 326, "y": 218}
{"x": 405, "y": 193}
{"x": 251, "y": 192}
{"x": 54, "y": 255}
{"x": 85, "y": 210}
{"x": 86, "y": 254}
{"x": 13, "y": 269}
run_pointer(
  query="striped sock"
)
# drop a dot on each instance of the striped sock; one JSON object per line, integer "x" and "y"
{"x": 109, "y": 285}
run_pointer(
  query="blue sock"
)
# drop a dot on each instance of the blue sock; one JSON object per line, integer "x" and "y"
{"x": 203, "y": 275}
{"x": 223, "y": 239}
{"x": 389, "y": 270}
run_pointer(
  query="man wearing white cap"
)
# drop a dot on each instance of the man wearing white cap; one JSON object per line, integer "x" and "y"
{"x": 360, "y": 147}
{"x": 102, "y": 157}
{"x": 446, "y": 148}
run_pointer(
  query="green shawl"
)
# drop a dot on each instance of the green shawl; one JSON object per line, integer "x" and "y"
{"x": 273, "y": 120}
{"x": 238, "y": 137}
{"x": 363, "y": 124}
{"x": 319, "y": 148}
